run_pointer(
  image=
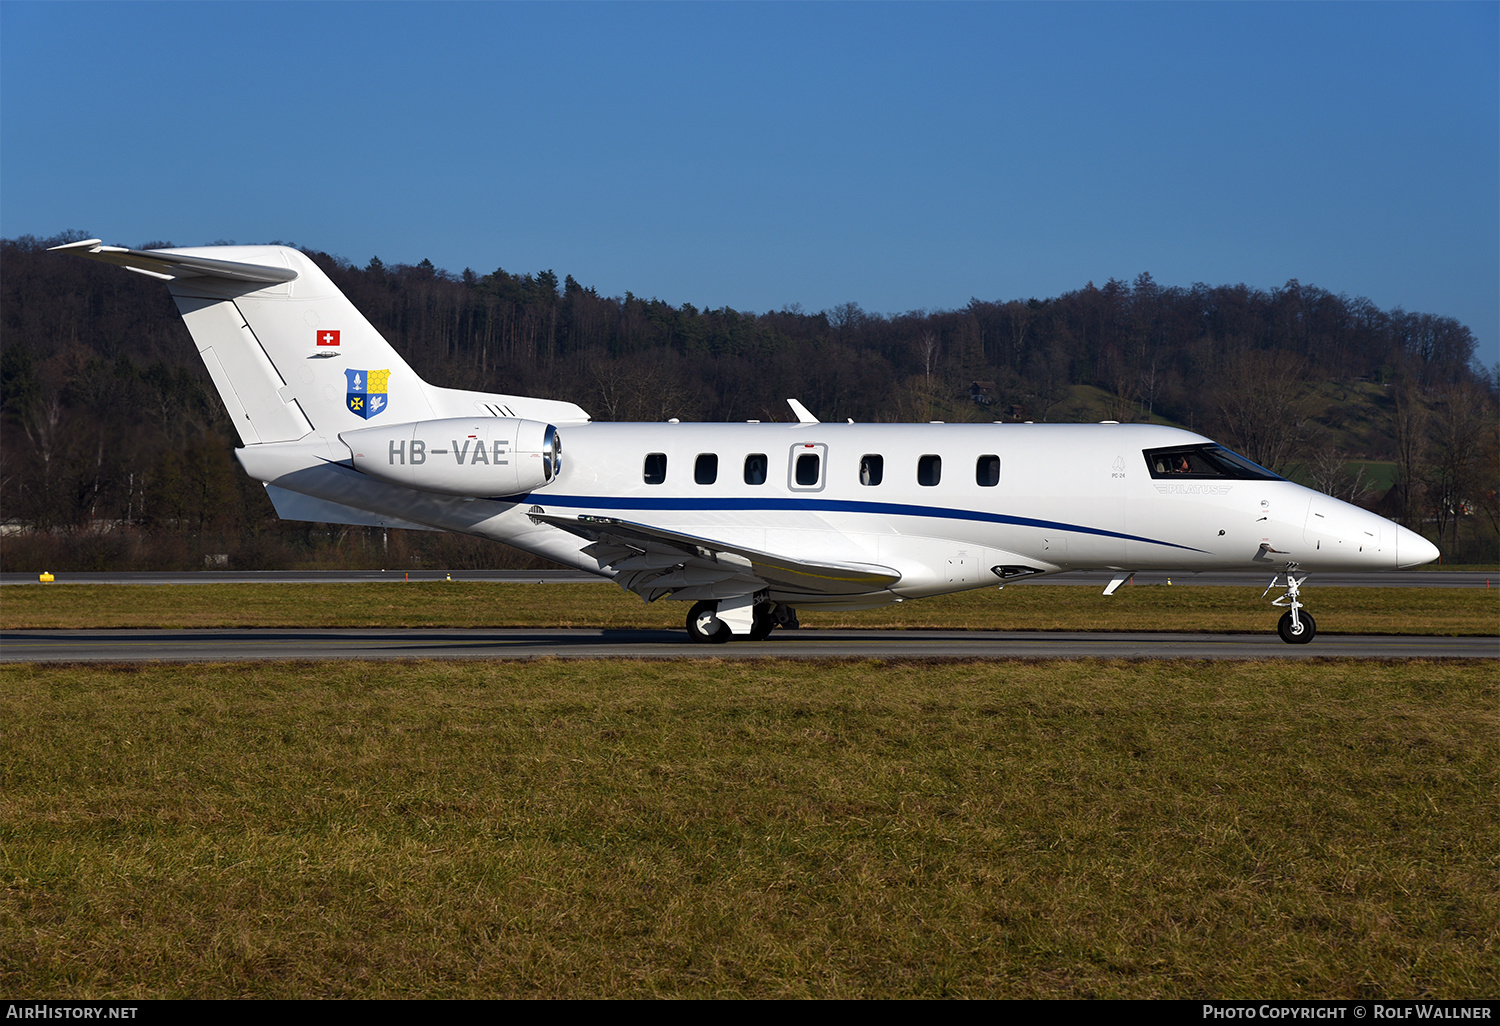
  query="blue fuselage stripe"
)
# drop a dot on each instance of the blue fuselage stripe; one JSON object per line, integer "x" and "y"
{"x": 829, "y": 506}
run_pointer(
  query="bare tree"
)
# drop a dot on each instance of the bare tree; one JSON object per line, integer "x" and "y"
{"x": 1409, "y": 426}
{"x": 1150, "y": 387}
{"x": 927, "y": 349}
{"x": 1049, "y": 374}
{"x": 647, "y": 388}
{"x": 846, "y": 317}
{"x": 1124, "y": 392}
{"x": 1259, "y": 398}
{"x": 1458, "y": 427}
{"x": 1328, "y": 467}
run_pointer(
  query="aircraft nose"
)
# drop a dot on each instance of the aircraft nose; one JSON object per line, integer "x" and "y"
{"x": 1412, "y": 549}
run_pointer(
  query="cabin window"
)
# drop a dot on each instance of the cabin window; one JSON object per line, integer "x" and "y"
{"x": 807, "y": 469}
{"x": 656, "y": 467}
{"x": 1204, "y": 461}
{"x": 987, "y": 471}
{"x": 755, "y": 468}
{"x": 706, "y": 469}
{"x": 871, "y": 469}
{"x": 929, "y": 470}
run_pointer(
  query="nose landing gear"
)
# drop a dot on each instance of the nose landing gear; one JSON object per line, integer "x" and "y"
{"x": 1296, "y": 626}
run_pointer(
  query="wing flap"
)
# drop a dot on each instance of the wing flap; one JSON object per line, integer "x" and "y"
{"x": 654, "y": 560}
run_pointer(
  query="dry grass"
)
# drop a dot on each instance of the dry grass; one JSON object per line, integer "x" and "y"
{"x": 761, "y": 829}
{"x": 1437, "y": 611}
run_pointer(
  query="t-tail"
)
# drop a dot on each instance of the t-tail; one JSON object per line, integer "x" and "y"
{"x": 290, "y": 355}
{"x": 306, "y": 379}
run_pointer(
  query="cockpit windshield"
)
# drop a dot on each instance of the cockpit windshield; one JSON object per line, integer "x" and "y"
{"x": 1204, "y": 461}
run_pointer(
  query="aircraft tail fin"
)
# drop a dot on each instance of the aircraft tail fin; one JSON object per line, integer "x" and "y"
{"x": 287, "y": 351}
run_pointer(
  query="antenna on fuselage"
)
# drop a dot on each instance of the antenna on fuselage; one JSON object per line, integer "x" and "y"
{"x": 803, "y": 417}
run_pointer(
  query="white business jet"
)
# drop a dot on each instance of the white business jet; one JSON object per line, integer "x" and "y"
{"x": 748, "y": 522}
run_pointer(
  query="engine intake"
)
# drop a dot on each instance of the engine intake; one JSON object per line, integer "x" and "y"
{"x": 471, "y": 456}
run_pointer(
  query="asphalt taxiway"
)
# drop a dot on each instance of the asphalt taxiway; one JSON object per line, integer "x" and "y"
{"x": 134, "y": 646}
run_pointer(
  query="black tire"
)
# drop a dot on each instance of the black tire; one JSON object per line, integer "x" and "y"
{"x": 761, "y": 628}
{"x": 1290, "y": 634}
{"x": 704, "y": 627}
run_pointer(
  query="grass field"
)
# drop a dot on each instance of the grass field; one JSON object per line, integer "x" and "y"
{"x": 758, "y": 829}
{"x": 1436, "y": 611}
{"x": 762, "y": 829}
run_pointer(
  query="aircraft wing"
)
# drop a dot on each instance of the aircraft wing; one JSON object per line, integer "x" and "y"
{"x": 654, "y": 562}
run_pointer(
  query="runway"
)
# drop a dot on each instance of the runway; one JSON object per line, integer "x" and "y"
{"x": 1084, "y": 578}
{"x": 135, "y": 646}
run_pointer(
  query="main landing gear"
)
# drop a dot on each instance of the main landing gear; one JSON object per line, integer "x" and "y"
{"x": 706, "y": 627}
{"x": 1297, "y": 627}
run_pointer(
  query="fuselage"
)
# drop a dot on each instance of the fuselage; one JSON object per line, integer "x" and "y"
{"x": 947, "y": 504}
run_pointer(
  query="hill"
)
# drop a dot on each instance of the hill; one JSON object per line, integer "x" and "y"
{"x": 112, "y": 438}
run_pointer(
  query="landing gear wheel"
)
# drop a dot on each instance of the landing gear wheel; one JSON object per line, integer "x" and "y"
{"x": 1299, "y": 633}
{"x": 764, "y": 623}
{"x": 704, "y": 626}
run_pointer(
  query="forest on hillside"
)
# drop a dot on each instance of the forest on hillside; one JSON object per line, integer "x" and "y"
{"x": 116, "y": 453}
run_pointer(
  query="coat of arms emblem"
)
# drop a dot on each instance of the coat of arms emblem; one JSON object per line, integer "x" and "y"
{"x": 367, "y": 392}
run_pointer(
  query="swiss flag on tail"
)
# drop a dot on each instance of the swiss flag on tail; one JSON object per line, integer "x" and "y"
{"x": 328, "y": 338}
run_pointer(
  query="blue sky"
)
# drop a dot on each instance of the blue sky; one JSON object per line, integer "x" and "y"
{"x": 901, "y": 156}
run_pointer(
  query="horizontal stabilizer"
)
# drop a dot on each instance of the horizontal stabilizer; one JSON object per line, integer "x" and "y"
{"x": 169, "y": 264}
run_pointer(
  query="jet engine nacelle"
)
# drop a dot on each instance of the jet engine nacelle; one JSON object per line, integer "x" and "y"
{"x": 472, "y": 456}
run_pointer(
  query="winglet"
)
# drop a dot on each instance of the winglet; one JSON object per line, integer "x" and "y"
{"x": 803, "y": 417}
{"x": 168, "y": 264}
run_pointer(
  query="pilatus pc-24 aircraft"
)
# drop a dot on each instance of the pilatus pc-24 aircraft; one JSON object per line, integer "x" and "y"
{"x": 748, "y": 522}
